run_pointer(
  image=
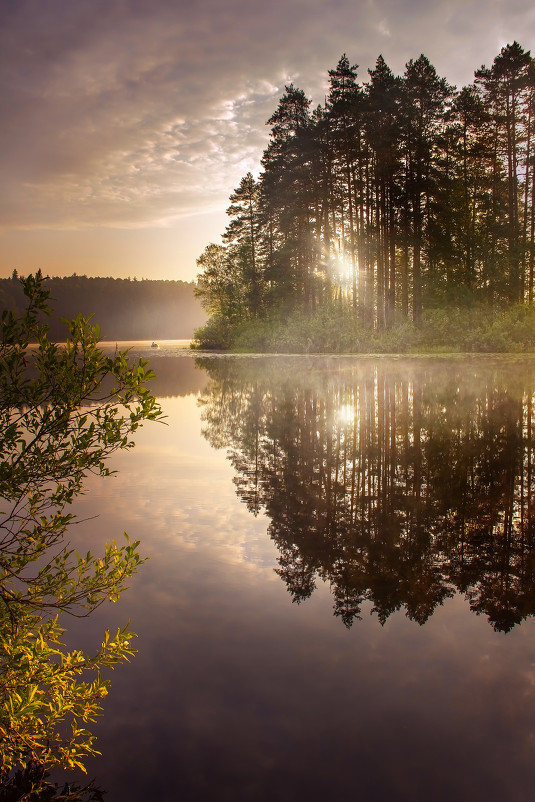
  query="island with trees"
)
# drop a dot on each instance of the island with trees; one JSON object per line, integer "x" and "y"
{"x": 398, "y": 216}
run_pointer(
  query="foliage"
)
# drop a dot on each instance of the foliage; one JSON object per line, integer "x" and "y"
{"x": 334, "y": 329}
{"x": 216, "y": 335}
{"x": 398, "y": 196}
{"x": 63, "y": 412}
{"x": 32, "y": 784}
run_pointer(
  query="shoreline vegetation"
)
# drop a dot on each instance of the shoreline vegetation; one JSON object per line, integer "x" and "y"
{"x": 398, "y": 217}
{"x": 334, "y": 330}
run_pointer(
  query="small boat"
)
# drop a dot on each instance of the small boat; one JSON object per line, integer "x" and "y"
{"x": 155, "y": 345}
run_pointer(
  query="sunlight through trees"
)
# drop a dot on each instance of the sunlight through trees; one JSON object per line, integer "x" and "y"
{"x": 399, "y": 195}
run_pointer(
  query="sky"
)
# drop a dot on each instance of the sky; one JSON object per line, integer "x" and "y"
{"x": 126, "y": 124}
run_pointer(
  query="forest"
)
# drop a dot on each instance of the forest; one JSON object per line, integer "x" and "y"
{"x": 124, "y": 309}
{"x": 400, "y": 199}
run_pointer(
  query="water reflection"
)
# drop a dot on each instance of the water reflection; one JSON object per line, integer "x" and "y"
{"x": 236, "y": 695}
{"x": 399, "y": 483}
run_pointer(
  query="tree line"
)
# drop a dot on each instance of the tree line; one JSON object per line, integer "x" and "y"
{"x": 123, "y": 308}
{"x": 397, "y": 195}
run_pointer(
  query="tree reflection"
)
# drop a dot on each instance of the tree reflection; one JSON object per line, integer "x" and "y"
{"x": 398, "y": 483}
{"x": 32, "y": 784}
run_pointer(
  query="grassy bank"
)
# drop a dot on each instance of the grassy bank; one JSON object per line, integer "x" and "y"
{"x": 336, "y": 330}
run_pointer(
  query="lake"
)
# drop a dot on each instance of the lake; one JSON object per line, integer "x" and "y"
{"x": 339, "y": 599}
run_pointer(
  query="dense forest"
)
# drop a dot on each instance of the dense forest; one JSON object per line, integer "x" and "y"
{"x": 399, "y": 196}
{"x": 124, "y": 309}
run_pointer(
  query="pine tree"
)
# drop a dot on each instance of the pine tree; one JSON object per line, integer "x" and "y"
{"x": 284, "y": 199}
{"x": 382, "y": 126}
{"x": 244, "y": 231}
{"x": 343, "y": 116}
{"x": 424, "y": 104}
{"x": 505, "y": 86}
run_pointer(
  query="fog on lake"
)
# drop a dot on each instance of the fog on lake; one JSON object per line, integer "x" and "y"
{"x": 340, "y": 594}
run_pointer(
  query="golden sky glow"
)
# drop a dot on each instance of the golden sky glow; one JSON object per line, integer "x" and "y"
{"x": 126, "y": 124}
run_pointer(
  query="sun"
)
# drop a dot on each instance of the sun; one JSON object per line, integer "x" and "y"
{"x": 346, "y": 414}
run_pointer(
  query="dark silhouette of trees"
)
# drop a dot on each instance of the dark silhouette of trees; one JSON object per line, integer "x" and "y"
{"x": 285, "y": 201}
{"x": 398, "y": 484}
{"x": 243, "y": 232}
{"x": 507, "y": 92}
{"x": 124, "y": 309}
{"x": 396, "y": 196}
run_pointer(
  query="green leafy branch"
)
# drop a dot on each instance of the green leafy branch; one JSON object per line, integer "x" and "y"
{"x": 64, "y": 410}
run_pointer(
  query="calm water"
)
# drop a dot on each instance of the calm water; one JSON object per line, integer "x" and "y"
{"x": 338, "y": 603}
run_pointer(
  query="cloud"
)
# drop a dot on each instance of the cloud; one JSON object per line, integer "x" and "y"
{"x": 126, "y": 125}
{"x": 121, "y": 113}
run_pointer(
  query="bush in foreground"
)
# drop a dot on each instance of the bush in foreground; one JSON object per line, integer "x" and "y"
{"x": 63, "y": 412}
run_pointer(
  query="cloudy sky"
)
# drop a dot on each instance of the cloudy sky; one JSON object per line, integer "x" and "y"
{"x": 127, "y": 123}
